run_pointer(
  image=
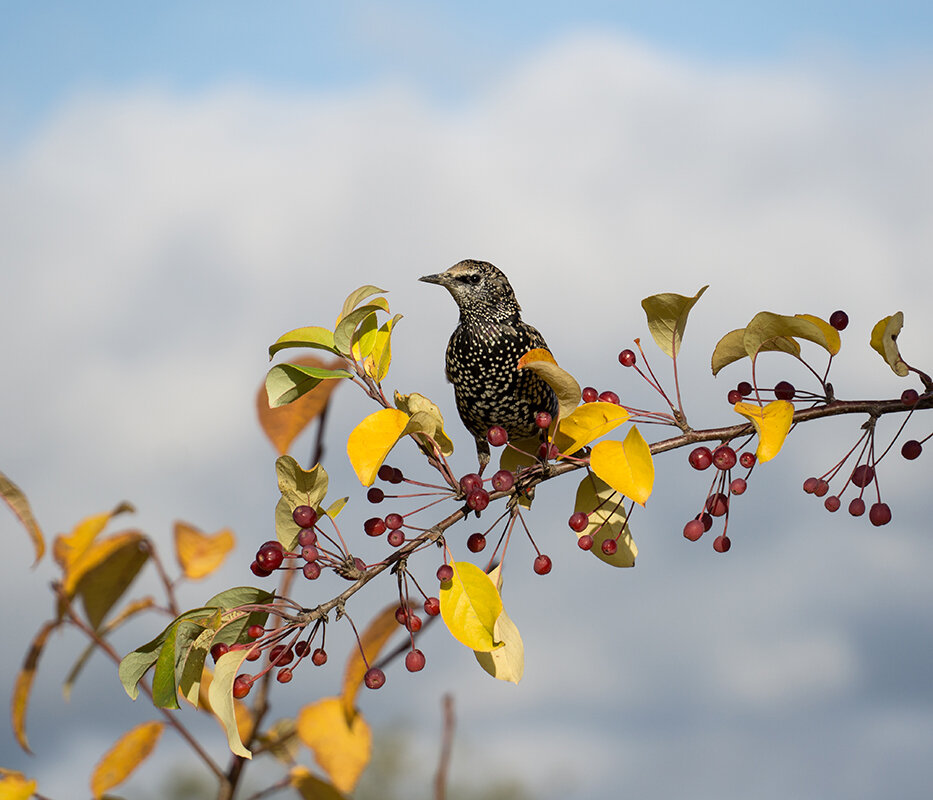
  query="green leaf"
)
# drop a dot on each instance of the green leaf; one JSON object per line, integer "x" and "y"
{"x": 220, "y": 696}
{"x": 348, "y": 325}
{"x": 311, "y": 336}
{"x": 470, "y": 606}
{"x": 359, "y": 295}
{"x": 731, "y": 347}
{"x": 288, "y": 382}
{"x": 667, "y": 318}
{"x": 240, "y": 596}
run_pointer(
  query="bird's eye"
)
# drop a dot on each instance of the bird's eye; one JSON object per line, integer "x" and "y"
{"x": 472, "y": 278}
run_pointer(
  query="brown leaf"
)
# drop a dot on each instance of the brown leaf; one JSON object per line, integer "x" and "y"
{"x": 18, "y": 503}
{"x": 283, "y": 425}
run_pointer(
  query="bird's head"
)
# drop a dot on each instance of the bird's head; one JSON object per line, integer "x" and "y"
{"x": 480, "y": 289}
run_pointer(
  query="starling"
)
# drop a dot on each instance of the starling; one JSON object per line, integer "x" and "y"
{"x": 483, "y": 354}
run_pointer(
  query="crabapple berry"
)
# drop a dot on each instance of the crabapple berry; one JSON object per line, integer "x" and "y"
{"x": 304, "y": 516}
{"x": 542, "y": 564}
{"x": 255, "y": 631}
{"x": 862, "y": 475}
{"x": 832, "y": 503}
{"x": 385, "y": 472}
{"x": 909, "y": 397}
{"x": 307, "y": 537}
{"x": 503, "y": 480}
{"x": 319, "y": 657}
{"x": 693, "y": 530}
{"x": 432, "y": 606}
{"x": 911, "y": 449}
{"x": 747, "y": 460}
{"x": 414, "y": 661}
{"x": 374, "y": 678}
{"x": 839, "y": 320}
{"x": 543, "y": 420}
{"x": 497, "y": 436}
{"x": 857, "y": 507}
{"x": 879, "y": 514}
{"x": 270, "y": 556}
{"x": 738, "y": 486}
{"x": 609, "y": 547}
{"x": 395, "y": 538}
{"x": 784, "y": 390}
{"x": 476, "y": 542}
{"x": 219, "y": 649}
{"x": 311, "y": 570}
{"x": 627, "y": 358}
{"x": 242, "y": 685}
{"x": 717, "y": 504}
{"x": 578, "y": 521}
{"x": 470, "y": 481}
{"x": 722, "y": 543}
{"x": 258, "y": 571}
{"x": 374, "y": 526}
{"x": 445, "y": 572}
{"x": 609, "y": 397}
{"x": 734, "y": 396}
{"x": 478, "y": 499}
{"x": 700, "y": 458}
{"x": 809, "y": 485}
{"x": 589, "y": 394}
{"x": 744, "y": 388}
{"x": 394, "y": 521}
{"x": 284, "y": 675}
{"x": 375, "y": 495}
{"x": 821, "y": 488}
{"x": 585, "y": 542}
{"x": 724, "y": 457}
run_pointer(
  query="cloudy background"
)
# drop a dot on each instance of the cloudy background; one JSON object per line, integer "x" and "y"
{"x": 176, "y": 190}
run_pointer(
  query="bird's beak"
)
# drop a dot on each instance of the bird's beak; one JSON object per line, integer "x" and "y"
{"x": 438, "y": 279}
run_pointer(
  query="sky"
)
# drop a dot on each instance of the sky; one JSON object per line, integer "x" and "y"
{"x": 178, "y": 188}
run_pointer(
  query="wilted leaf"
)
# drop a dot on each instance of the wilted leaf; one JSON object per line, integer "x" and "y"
{"x": 312, "y": 336}
{"x": 287, "y": 382}
{"x": 19, "y": 505}
{"x": 884, "y": 342}
{"x": 128, "y": 753}
{"x": 198, "y": 553}
{"x": 301, "y": 486}
{"x": 470, "y": 606}
{"x": 587, "y": 423}
{"x": 606, "y": 520}
{"x": 732, "y": 348}
{"x": 15, "y": 786}
{"x": 341, "y": 745}
{"x": 377, "y": 633}
{"x": 415, "y": 403}
{"x": 311, "y": 787}
{"x": 24, "y": 679}
{"x": 220, "y": 696}
{"x": 772, "y": 422}
{"x": 626, "y": 466}
{"x": 667, "y": 318}
{"x": 562, "y": 382}
{"x": 284, "y": 424}
{"x": 370, "y": 442}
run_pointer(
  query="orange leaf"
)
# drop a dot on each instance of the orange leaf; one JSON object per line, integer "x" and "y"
{"x": 199, "y": 554}
{"x": 283, "y": 425}
{"x": 341, "y": 745}
{"x": 377, "y": 633}
{"x": 24, "y": 681}
{"x": 128, "y": 753}
{"x": 15, "y": 786}
{"x": 68, "y": 549}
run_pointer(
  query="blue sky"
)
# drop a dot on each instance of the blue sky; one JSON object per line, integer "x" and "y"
{"x": 178, "y": 189}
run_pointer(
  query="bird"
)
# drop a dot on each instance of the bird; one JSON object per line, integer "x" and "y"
{"x": 483, "y": 353}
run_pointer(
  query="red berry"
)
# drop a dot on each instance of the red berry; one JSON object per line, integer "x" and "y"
{"x": 578, "y": 521}
{"x": 302, "y": 649}
{"x": 394, "y": 521}
{"x": 307, "y": 537}
{"x": 706, "y": 519}
{"x": 722, "y": 543}
{"x": 395, "y": 538}
{"x": 832, "y": 503}
{"x": 879, "y": 514}
{"x": 909, "y": 397}
{"x": 693, "y": 530}
{"x": 862, "y": 475}
{"x": 609, "y": 547}
{"x": 627, "y": 358}
{"x": 385, "y": 472}
{"x": 284, "y": 675}
{"x": 478, "y": 499}
{"x": 414, "y": 661}
{"x": 304, "y": 516}
{"x": 476, "y": 542}
{"x": 724, "y": 457}
{"x": 744, "y": 388}
{"x": 432, "y": 606}
{"x": 375, "y": 495}
{"x": 911, "y": 449}
{"x": 839, "y": 320}
{"x": 700, "y": 458}
{"x": 396, "y": 476}
{"x": 503, "y": 480}
{"x": 738, "y": 486}
{"x": 857, "y": 507}
{"x": 281, "y": 655}
{"x": 374, "y": 526}
{"x": 497, "y": 436}
{"x": 270, "y": 556}
{"x": 310, "y": 553}
{"x": 543, "y": 420}
{"x": 470, "y": 481}
{"x": 374, "y": 678}
{"x": 445, "y": 572}
{"x": 255, "y": 631}
{"x": 254, "y": 654}
{"x": 401, "y": 614}
{"x": 319, "y": 657}
{"x": 585, "y": 542}
{"x": 258, "y": 571}
{"x": 311, "y": 570}
{"x": 747, "y": 460}
{"x": 542, "y": 564}
{"x": 609, "y": 397}
{"x": 589, "y": 394}
{"x": 219, "y": 649}
{"x": 413, "y": 623}
{"x": 548, "y": 451}
{"x": 734, "y": 396}
{"x": 809, "y": 485}
{"x": 822, "y": 487}
{"x": 717, "y": 504}
{"x": 241, "y": 686}
{"x": 783, "y": 390}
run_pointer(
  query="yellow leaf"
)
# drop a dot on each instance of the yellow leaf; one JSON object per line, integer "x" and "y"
{"x": 335, "y": 508}
{"x": 199, "y": 554}
{"x": 15, "y": 786}
{"x": 24, "y": 679}
{"x": 370, "y": 442}
{"x": 506, "y": 663}
{"x": 68, "y": 549}
{"x": 357, "y": 325}
{"x": 341, "y": 745}
{"x": 312, "y": 336}
{"x": 667, "y": 318}
{"x": 377, "y": 633}
{"x": 470, "y": 606}
{"x": 16, "y": 500}
{"x": 562, "y": 382}
{"x": 221, "y": 700}
{"x": 606, "y": 520}
{"x": 433, "y": 424}
{"x": 377, "y": 364}
{"x": 586, "y": 423}
{"x": 311, "y": 787}
{"x": 772, "y": 422}
{"x": 884, "y": 342}
{"x": 731, "y": 347}
{"x": 626, "y": 466}
{"x": 766, "y": 327}
{"x": 128, "y": 753}
{"x": 833, "y": 342}
{"x": 241, "y": 712}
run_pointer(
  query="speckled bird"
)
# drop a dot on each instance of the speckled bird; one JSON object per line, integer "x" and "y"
{"x": 483, "y": 354}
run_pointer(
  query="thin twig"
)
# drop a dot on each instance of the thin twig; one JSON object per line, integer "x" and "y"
{"x": 447, "y": 741}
